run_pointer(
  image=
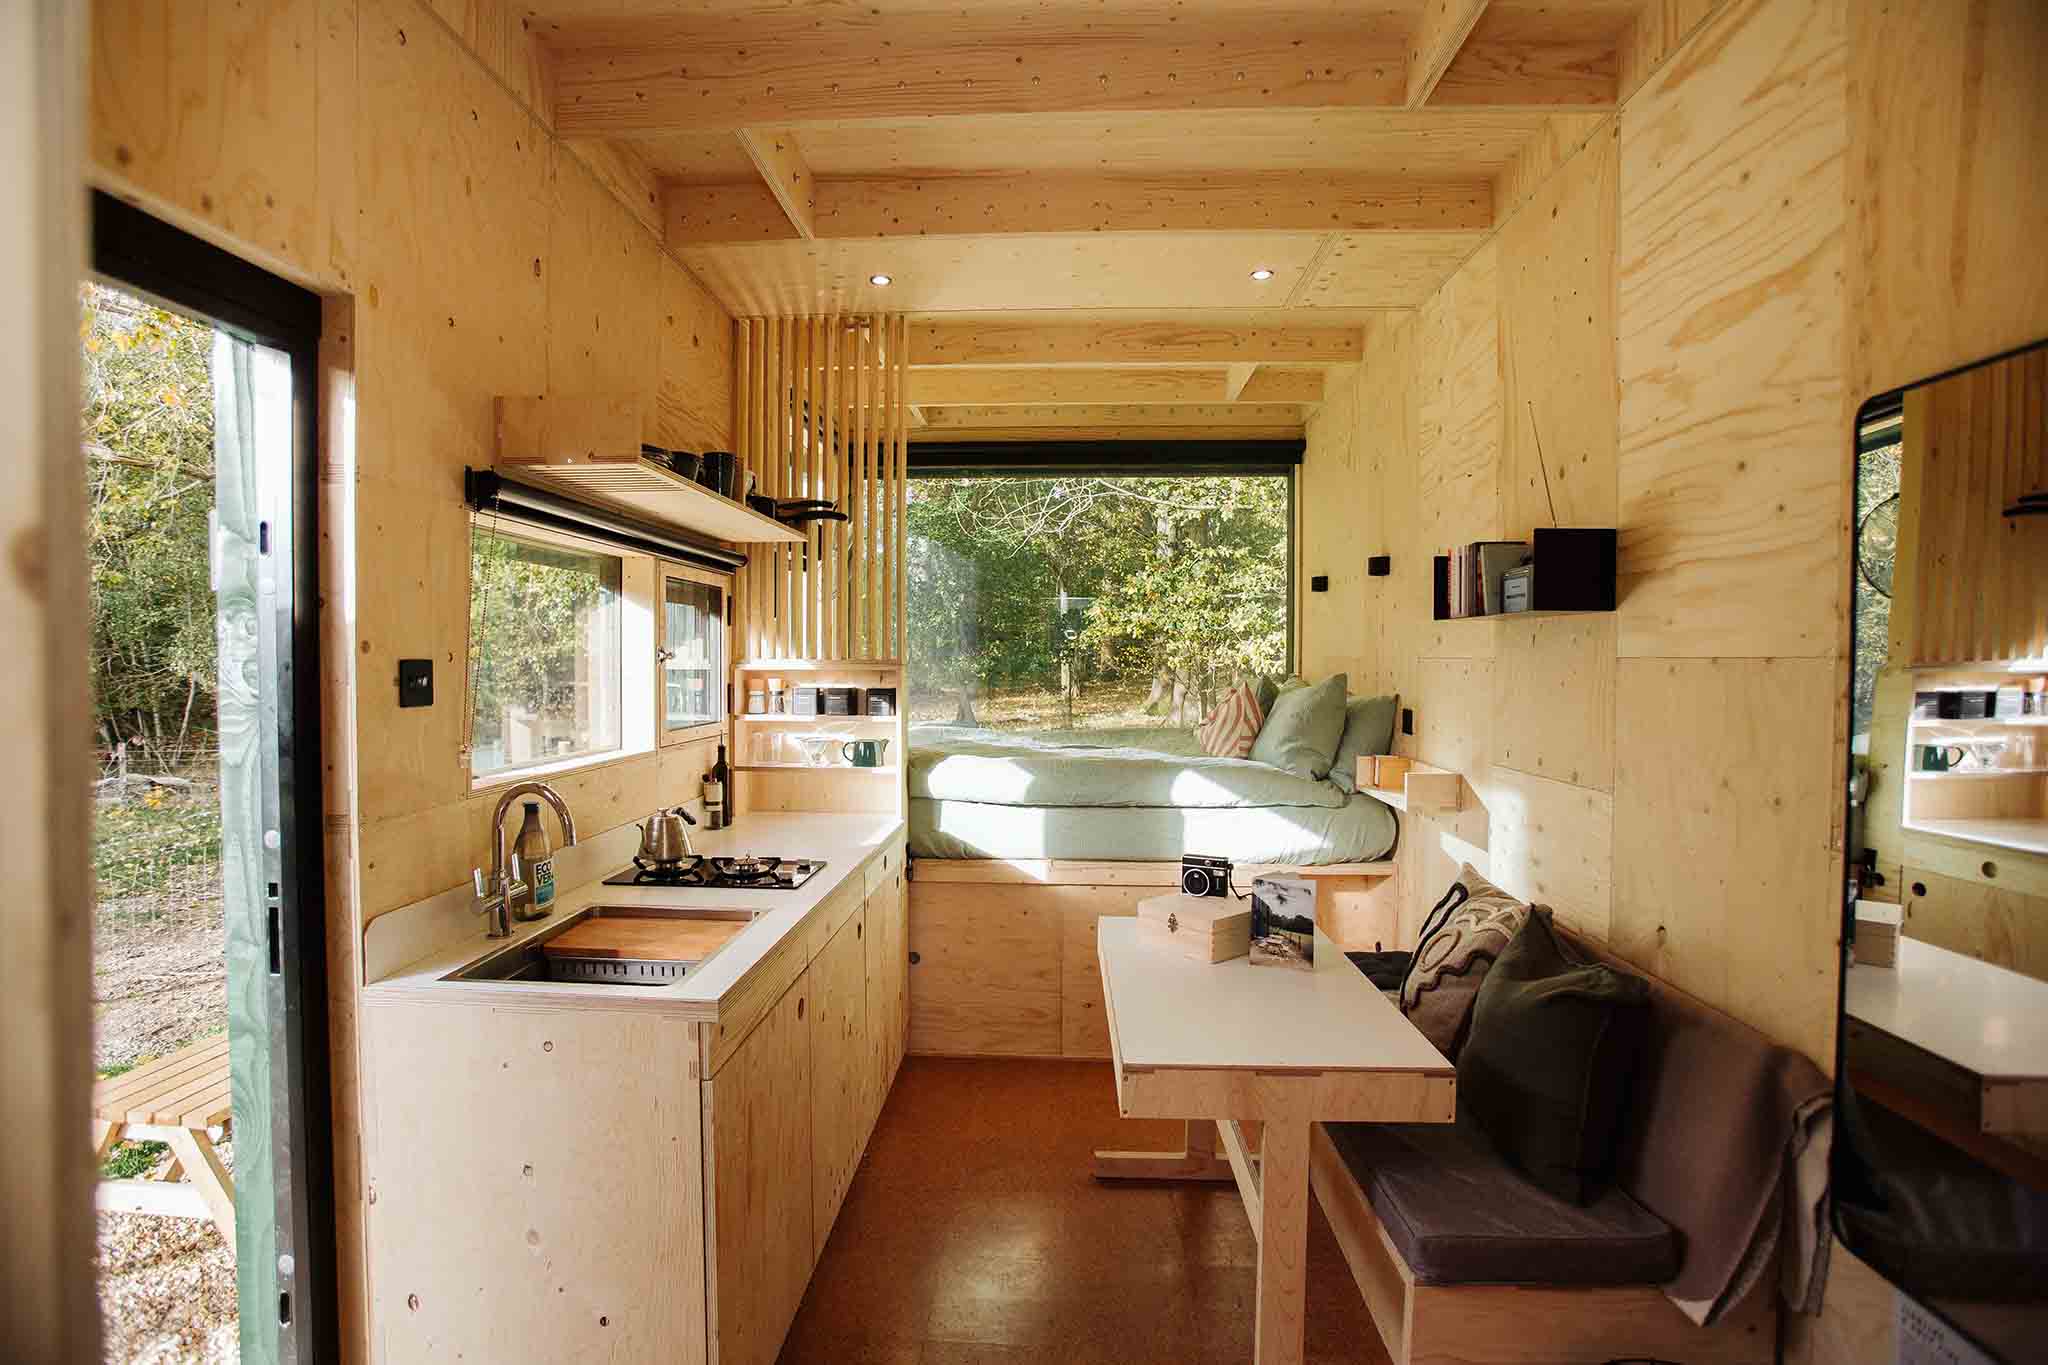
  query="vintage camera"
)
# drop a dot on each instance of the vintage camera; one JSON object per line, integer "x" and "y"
{"x": 1202, "y": 876}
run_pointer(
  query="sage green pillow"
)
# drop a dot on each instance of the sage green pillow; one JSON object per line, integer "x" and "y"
{"x": 1368, "y": 729}
{"x": 1302, "y": 730}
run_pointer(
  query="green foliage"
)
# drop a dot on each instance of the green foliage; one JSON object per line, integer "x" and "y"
{"x": 139, "y": 846}
{"x": 533, "y": 612}
{"x": 132, "y": 1160}
{"x": 147, "y": 426}
{"x": 1185, "y": 579}
{"x": 1877, "y": 478}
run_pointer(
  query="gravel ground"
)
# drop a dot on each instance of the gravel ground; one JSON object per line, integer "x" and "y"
{"x": 158, "y": 981}
{"x": 167, "y": 1288}
{"x": 166, "y": 1285}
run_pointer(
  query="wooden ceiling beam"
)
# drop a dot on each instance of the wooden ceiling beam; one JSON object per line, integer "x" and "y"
{"x": 940, "y": 206}
{"x": 1006, "y": 343}
{"x": 787, "y": 176}
{"x": 648, "y": 75}
{"x": 1440, "y": 32}
{"x": 1127, "y": 421}
{"x": 1069, "y": 387}
{"x": 1235, "y": 378}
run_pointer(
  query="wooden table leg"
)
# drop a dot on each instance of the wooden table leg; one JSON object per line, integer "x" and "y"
{"x": 194, "y": 1151}
{"x": 1196, "y": 1160}
{"x": 1283, "y": 1243}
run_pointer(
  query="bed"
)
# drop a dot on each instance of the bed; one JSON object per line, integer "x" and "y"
{"x": 1018, "y": 846}
{"x": 987, "y": 794}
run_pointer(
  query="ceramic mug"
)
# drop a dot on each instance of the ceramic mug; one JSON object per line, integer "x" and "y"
{"x": 864, "y": 753}
{"x": 1939, "y": 758}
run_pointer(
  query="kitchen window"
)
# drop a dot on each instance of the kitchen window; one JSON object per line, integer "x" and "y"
{"x": 547, "y": 654}
{"x": 692, "y": 652}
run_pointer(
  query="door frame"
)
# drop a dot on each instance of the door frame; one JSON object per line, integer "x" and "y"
{"x": 135, "y": 251}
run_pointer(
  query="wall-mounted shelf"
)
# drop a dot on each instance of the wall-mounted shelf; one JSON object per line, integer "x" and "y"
{"x": 816, "y": 665}
{"x": 2020, "y": 835}
{"x": 886, "y": 770}
{"x": 1424, "y": 790}
{"x": 589, "y": 449}
{"x": 1975, "y": 774}
{"x": 1575, "y": 575}
{"x": 808, "y": 722}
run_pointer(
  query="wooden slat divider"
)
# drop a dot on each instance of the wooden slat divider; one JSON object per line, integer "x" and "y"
{"x": 821, "y": 414}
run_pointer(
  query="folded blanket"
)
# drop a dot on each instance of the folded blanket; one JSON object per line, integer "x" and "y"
{"x": 992, "y": 768}
{"x": 1729, "y": 1148}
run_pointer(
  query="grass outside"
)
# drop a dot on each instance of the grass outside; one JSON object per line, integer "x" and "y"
{"x": 1100, "y": 710}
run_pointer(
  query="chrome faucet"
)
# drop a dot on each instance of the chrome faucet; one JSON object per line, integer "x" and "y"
{"x": 501, "y": 898}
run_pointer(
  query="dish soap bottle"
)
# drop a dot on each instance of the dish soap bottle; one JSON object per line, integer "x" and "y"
{"x": 538, "y": 858}
{"x": 717, "y": 814}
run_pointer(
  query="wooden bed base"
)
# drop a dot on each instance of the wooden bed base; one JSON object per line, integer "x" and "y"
{"x": 1002, "y": 951}
{"x": 1428, "y": 1324}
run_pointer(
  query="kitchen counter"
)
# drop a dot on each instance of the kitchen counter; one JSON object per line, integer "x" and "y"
{"x": 844, "y": 842}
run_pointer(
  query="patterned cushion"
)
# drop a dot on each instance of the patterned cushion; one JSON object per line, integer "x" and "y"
{"x": 1460, "y": 939}
{"x": 1233, "y": 725}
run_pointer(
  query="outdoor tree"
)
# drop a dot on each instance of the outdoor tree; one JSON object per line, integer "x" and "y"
{"x": 147, "y": 424}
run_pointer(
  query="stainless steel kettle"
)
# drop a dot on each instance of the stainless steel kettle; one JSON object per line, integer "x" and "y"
{"x": 665, "y": 838}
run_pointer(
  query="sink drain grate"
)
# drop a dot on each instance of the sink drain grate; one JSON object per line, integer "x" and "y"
{"x": 618, "y": 971}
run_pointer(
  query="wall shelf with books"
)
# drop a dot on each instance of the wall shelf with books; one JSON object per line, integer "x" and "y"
{"x": 1567, "y": 571}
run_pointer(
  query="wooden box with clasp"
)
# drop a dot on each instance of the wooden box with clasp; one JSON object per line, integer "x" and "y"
{"x": 1205, "y": 928}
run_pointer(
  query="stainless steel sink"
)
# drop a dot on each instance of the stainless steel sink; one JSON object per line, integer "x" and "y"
{"x": 526, "y": 961}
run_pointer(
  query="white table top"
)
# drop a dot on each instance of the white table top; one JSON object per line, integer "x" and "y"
{"x": 1988, "y": 1020}
{"x": 1172, "y": 1012}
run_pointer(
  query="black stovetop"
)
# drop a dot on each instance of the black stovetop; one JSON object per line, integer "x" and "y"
{"x": 786, "y": 874}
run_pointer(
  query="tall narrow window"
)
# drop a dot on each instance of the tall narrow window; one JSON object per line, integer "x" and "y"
{"x": 692, "y": 650}
{"x": 545, "y": 653}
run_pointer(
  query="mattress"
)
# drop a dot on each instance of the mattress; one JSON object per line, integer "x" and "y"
{"x": 984, "y": 794}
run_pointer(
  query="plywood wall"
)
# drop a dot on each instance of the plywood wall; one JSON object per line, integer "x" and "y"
{"x": 1661, "y": 337}
{"x": 395, "y": 155}
{"x": 1800, "y": 203}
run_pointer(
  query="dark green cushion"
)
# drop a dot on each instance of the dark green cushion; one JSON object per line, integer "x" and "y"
{"x": 1267, "y": 690}
{"x": 1368, "y": 729}
{"x": 1545, "y": 1071}
{"x": 1302, "y": 729}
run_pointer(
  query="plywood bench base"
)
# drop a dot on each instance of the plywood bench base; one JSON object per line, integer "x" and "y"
{"x": 1487, "y": 1324}
{"x": 1003, "y": 950}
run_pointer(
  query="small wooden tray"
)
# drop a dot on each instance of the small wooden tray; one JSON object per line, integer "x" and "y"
{"x": 650, "y": 939}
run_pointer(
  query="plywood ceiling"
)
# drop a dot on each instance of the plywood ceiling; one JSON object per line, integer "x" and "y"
{"x": 1080, "y": 164}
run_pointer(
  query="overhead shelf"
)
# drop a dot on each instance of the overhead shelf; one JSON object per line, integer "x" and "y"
{"x": 589, "y": 449}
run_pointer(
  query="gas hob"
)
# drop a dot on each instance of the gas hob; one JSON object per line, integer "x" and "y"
{"x": 749, "y": 873}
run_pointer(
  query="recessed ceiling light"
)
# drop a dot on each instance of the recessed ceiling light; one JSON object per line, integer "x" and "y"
{"x": 878, "y": 281}
{"x": 1262, "y": 274}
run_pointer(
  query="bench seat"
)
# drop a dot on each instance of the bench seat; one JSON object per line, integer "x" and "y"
{"x": 1458, "y": 1214}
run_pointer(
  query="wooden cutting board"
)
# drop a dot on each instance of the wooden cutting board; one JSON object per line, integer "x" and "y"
{"x": 652, "y": 939}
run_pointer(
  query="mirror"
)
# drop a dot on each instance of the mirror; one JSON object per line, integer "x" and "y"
{"x": 1940, "y": 1163}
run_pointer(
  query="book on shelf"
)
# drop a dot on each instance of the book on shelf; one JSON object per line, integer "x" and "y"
{"x": 1472, "y": 575}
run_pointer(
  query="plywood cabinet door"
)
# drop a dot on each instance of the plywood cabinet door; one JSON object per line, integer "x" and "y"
{"x": 759, "y": 1130}
{"x": 842, "y": 1075}
{"x": 888, "y": 983}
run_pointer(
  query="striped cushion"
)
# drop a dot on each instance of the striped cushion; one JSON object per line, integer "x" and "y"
{"x": 1233, "y": 725}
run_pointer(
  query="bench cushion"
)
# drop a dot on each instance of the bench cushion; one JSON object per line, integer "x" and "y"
{"x": 1458, "y": 1214}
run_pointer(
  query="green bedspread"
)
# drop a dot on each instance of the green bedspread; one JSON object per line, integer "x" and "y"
{"x": 984, "y": 794}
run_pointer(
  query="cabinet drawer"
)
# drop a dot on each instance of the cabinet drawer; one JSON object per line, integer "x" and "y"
{"x": 884, "y": 865}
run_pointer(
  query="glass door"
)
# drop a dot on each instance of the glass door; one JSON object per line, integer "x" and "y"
{"x": 213, "y": 1108}
{"x": 692, "y": 653}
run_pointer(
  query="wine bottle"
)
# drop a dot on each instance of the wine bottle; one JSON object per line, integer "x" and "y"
{"x": 717, "y": 792}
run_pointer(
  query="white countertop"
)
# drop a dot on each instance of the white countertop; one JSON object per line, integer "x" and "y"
{"x": 1171, "y": 1011}
{"x": 844, "y": 842}
{"x": 1985, "y": 1019}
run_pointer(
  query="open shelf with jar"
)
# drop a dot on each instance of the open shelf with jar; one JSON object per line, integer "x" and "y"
{"x": 799, "y": 725}
{"x": 1977, "y": 757}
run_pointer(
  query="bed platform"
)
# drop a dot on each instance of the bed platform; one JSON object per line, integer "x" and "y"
{"x": 1002, "y": 950}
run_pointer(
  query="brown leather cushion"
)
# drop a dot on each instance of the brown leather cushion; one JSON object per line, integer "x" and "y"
{"x": 1458, "y": 1214}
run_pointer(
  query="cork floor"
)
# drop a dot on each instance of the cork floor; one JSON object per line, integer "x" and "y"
{"x": 973, "y": 1233}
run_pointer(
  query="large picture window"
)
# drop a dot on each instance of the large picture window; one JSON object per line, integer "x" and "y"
{"x": 545, "y": 646}
{"x": 1115, "y": 609}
